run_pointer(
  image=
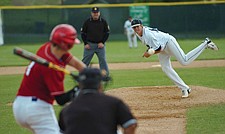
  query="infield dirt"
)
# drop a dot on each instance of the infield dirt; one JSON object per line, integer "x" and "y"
{"x": 161, "y": 110}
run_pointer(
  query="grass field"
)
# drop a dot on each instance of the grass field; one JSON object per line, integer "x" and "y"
{"x": 207, "y": 119}
{"x": 117, "y": 52}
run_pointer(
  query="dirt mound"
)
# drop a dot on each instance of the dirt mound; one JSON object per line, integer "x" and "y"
{"x": 161, "y": 110}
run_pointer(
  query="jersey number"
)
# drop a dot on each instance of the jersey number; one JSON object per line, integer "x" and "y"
{"x": 29, "y": 68}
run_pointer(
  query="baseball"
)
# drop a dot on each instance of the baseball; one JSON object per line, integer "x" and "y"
{"x": 151, "y": 51}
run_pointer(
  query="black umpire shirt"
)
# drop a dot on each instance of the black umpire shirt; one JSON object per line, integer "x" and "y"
{"x": 95, "y": 31}
{"x": 95, "y": 113}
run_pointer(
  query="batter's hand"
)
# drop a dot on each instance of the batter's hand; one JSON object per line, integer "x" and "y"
{"x": 87, "y": 46}
{"x": 146, "y": 55}
{"x": 100, "y": 45}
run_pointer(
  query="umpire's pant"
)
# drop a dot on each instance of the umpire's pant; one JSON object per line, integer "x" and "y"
{"x": 100, "y": 52}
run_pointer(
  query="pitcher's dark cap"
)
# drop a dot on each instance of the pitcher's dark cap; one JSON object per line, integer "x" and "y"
{"x": 95, "y": 10}
{"x": 136, "y": 22}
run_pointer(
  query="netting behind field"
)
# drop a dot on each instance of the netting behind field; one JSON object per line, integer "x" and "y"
{"x": 186, "y": 21}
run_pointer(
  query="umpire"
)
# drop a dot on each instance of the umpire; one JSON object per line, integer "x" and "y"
{"x": 94, "y": 33}
{"x": 93, "y": 112}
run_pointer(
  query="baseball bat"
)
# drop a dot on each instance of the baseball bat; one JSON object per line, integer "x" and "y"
{"x": 33, "y": 57}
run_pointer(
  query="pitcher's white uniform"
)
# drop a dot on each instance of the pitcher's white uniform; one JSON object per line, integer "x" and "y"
{"x": 131, "y": 36}
{"x": 169, "y": 47}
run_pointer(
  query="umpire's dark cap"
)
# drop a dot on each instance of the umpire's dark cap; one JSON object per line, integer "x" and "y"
{"x": 136, "y": 22}
{"x": 95, "y": 10}
{"x": 90, "y": 78}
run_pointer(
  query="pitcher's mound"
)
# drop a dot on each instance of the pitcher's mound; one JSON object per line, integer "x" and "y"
{"x": 161, "y": 109}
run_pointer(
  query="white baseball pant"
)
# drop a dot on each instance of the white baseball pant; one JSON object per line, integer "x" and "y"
{"x": 132, "y": 39}
{"x": 172, "y": 48}
{"x": 36, "y": 115}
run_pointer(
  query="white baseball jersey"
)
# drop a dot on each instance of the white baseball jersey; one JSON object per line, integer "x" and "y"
{"x": 127, "y": 26}
{"x": 132, "y": 39}
{"x": 153, "y": 38}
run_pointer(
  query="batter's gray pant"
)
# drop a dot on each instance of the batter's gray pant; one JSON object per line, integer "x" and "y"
{"x": 100, "y": 52}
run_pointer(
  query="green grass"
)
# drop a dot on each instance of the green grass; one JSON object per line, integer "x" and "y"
{"x": 208, "y": 119}
{"x": 155, "y": 77}
{"x": 117, "y": 52}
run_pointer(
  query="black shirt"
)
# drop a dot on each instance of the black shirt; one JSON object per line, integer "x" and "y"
{"x": 95, "y": 113}
{"x": 95, "y": 31}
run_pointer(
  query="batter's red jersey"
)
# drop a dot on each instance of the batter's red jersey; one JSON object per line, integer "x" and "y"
{"x": 41, "y": 81}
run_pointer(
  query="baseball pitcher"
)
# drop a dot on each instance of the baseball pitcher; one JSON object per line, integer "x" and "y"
{"x": 165, "y": 45}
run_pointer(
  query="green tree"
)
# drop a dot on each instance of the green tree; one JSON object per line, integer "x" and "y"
{"x": 5, "y": 2}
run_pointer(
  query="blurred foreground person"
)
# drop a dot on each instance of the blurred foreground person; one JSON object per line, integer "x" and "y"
{"x": 93, "y": 112}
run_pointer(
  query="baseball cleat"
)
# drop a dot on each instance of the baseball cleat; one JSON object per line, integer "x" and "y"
{"x": 186, "y": 92}
{"x": 211, "y": 44}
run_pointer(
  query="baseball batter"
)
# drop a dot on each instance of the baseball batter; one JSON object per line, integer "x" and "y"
{"x": 40, "y": 86}
{"x": 165, "y": 45}
{"x": 131, "y": 36}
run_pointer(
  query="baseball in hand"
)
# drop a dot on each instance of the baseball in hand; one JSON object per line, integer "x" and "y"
{"x": 151, "y": 51}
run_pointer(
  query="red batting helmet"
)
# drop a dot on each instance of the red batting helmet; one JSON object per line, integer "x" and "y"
{"x": 64, "y": 36}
